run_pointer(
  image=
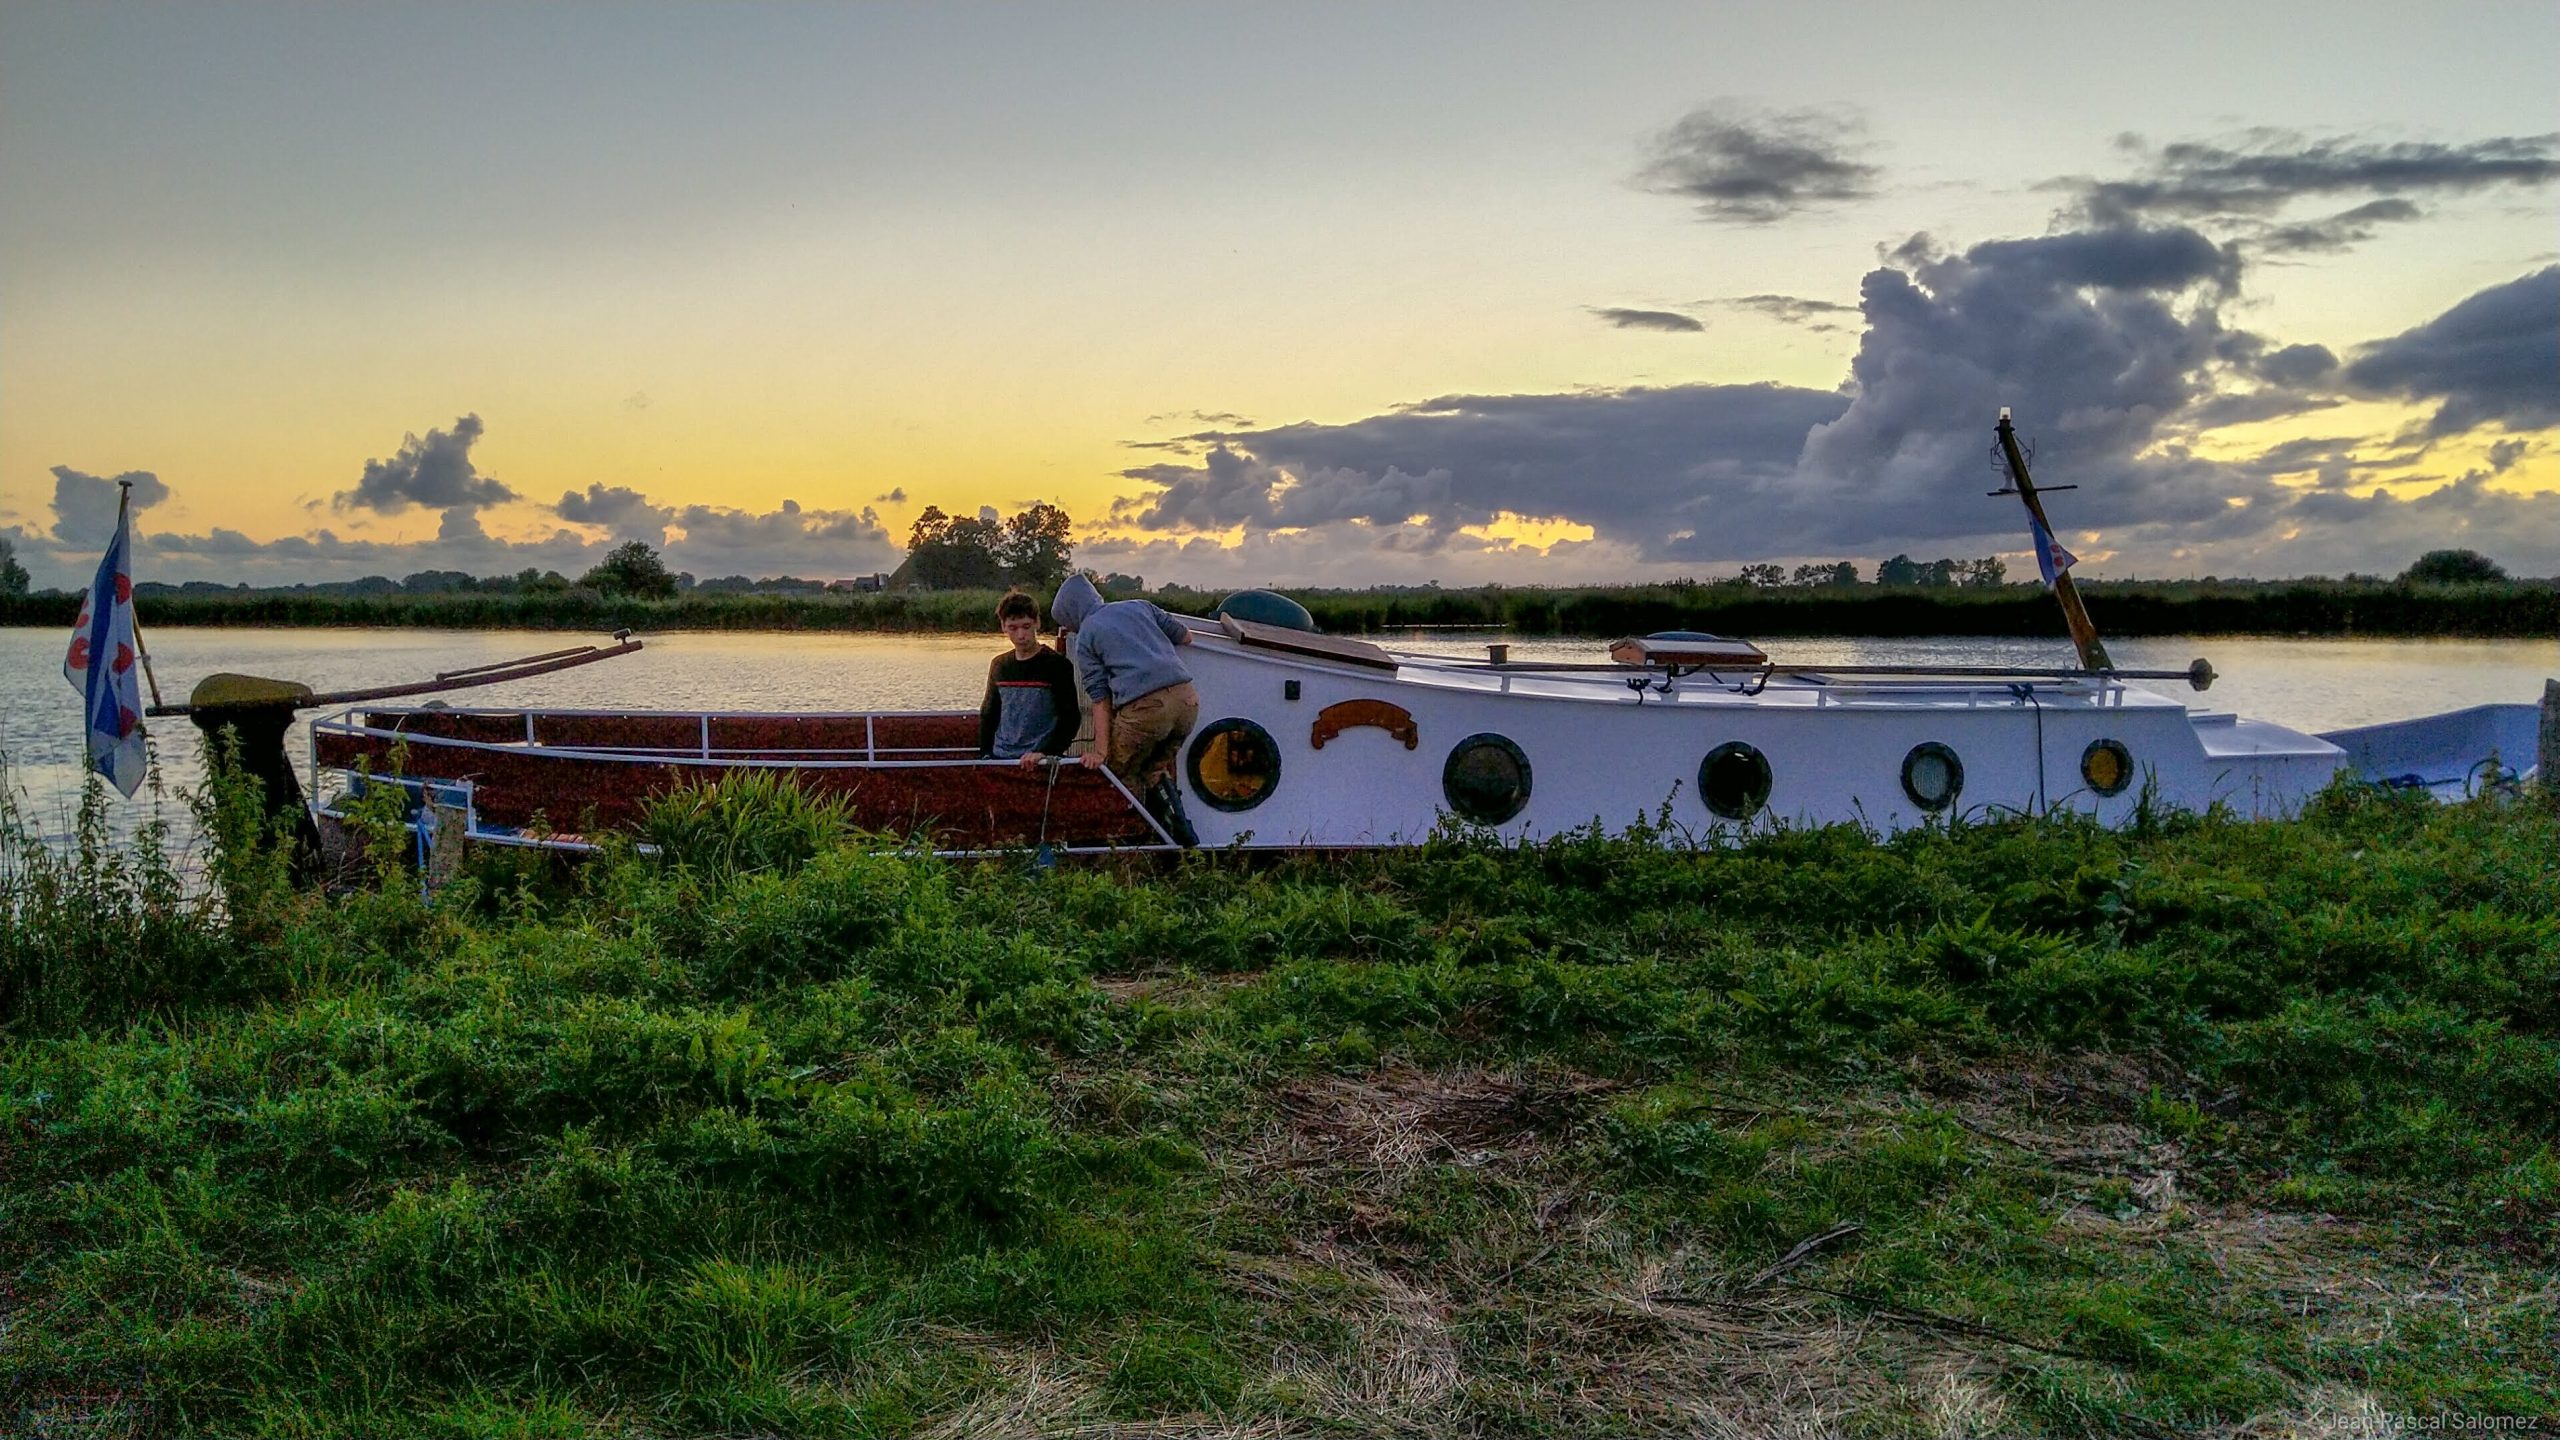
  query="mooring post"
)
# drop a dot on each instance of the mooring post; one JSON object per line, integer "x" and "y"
{"x": 2549, "y": 755}
{"x": 254, "y": 713}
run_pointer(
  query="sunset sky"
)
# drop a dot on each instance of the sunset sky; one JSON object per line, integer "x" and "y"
{"x": 1332, "y": 294}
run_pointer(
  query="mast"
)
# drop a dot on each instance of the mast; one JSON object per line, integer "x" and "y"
{"x": 124, "y": 518}
{"x": 2084, "y": 632}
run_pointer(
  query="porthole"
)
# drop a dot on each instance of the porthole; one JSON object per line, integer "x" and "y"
{"x": 1234, "y": 765}
{"x": 1734, "y": 780}
{"x": 2107, "y": 766}
{"x": 1932, "y": 776}
{"x": 1486, "y": 778}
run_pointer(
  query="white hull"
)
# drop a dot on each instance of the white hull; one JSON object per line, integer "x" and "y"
{"x": 1835, "y": 747}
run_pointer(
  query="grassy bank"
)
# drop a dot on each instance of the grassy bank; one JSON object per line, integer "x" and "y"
{"x": 2529, "y": 609}
{"x": 2026, "y": 1129}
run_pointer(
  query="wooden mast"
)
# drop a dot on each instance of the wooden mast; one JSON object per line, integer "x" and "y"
{"x": 2084, "y": 632}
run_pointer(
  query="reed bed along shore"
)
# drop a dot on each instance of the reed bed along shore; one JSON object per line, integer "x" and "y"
{"x": 2029, "y": 1128}
{"x": 2518, "y": 608}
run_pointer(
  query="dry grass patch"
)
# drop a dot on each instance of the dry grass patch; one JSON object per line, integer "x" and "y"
{"x": 1397, "y": 1120}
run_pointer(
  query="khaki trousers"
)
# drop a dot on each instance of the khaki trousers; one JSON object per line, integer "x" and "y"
{"x": 1147, "y": 734}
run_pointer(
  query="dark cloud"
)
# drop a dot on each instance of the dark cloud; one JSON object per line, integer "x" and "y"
{"x": 2295, "y": 365}
{"x": 618, "y": 508}
{"x": 2492, "y": 358}
{"x": 1647, "y": 319}
{"x": 1815, "y": 315}
{"x": 1652, "y": 469}
{"x": 1756, "y": 167}
{"x": 2260, "y": 172}
{"x": 2251, "y": 408}
{"x": 84, "y": 505}
{"x": 2117, "y": 258}
{"x": 897, "y": 496}
{"x": 2342, "y": 231}
{"x": 435, "y": 472}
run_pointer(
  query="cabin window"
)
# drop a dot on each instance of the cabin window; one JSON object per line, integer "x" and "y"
{"x": 1932, "y": 776}
{"x": 1486, "y": 778}
{"x": 1234, "y": 765}
{"x": 2107, "y": 766}
{"x": 1734, "y": 780}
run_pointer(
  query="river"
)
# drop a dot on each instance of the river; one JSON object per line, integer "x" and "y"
{"x": 2315, "y": 685}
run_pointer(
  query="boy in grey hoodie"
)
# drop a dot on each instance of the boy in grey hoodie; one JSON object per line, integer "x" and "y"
{"x": 1143, "y": 703}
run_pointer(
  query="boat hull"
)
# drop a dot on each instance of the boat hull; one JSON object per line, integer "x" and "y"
{"x": 1355, "y": 748}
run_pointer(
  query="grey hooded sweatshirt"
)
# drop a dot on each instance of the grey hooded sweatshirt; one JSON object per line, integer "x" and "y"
{"x": 1123, "y": 649}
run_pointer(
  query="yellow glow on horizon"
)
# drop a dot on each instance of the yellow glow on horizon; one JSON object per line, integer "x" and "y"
{"x": 1533, "y": 532}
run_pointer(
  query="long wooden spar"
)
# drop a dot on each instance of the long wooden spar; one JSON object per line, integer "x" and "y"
{"x": 495, "y": 674}
{"x": 2084, "y": 631}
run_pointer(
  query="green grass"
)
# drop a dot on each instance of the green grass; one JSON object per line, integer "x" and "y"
{"x": 2173, "y": 1131}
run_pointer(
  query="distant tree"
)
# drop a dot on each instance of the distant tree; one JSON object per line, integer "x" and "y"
{"x": 1762, "y": 577}
{"x": 1987, "y": 573}
{"x": 1121, "y": 587}
{"x": 2453, "y": 567}
{"x": 1825, "y": 577}
{"x": 438, "y": 582}
{"x": 1900, "y": 570}
{"x": 14, "y": 579}
{"x": 632, "y": 569}
{"x": 1037, "y": 547}
{"x": 954, "y": 553}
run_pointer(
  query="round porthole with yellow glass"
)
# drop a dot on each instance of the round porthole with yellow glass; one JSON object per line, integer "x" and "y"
{"x": 1234, "y": 765}
{"x": 2107, "y": 766}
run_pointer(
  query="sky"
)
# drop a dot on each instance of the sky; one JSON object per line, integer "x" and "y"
{"x": 1314, "y": 294}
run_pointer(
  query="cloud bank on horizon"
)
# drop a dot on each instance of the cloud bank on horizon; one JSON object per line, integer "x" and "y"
{"x": 2111, "y": 335}
{"x": 2114, "y": 335}
{"x": 436, "y": 472}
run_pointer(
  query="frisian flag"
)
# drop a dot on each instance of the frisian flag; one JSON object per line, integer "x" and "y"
{"x": 102, "y": 664}
{"x": 2051, "y": 558}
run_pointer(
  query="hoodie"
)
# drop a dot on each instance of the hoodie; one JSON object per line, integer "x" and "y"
{"x": 1123, "y": 649}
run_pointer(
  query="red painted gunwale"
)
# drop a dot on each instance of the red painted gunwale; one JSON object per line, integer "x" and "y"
{"x": 588, "y": 773}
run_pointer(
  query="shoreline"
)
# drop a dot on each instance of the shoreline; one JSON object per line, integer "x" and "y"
{"x": 2128, "y": 609}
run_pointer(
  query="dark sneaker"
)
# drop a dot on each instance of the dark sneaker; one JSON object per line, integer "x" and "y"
{"x": 1164, "y": 801}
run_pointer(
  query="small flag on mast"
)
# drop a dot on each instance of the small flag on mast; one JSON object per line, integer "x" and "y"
{"x": 102, "y": 666}
{"x": 2051, "y": 558}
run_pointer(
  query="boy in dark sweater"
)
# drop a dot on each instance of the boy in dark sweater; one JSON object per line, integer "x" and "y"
{"x": 1032, "y": 709}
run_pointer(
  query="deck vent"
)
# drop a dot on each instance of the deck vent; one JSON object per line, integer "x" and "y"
{"x": 1932, "y": 776}
{"x": 1486, "y": 778}
{"x": 1234, "y": 765}
{"x": 1734, "y": 780}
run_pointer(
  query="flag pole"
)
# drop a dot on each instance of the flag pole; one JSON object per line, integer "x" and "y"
{"x": 124, "y": 508}
{"x": 2084, "y": 631}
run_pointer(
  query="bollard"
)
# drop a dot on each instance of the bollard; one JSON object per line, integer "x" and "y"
{"x": 257, "y": 712}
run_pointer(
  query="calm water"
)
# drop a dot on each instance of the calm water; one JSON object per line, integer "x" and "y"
{"x": 2310, "y": 684}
